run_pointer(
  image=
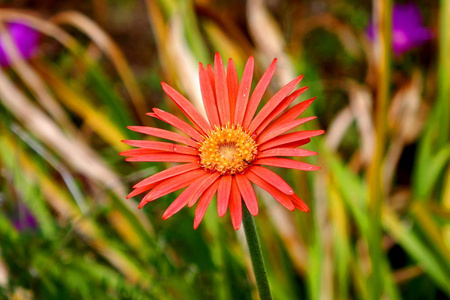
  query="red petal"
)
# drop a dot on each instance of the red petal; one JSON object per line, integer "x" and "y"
{"x": 210, "y": 73}
{"x": 289, "y": 138}
{"x": 223, "y": 194}
{"x": 293, "y": 112}
{"x": 164, "y": 134}
{"x": 244, "y": 91}
{"x": 177, "y": 204}
{"x": 145, "y": 152}
{"x": 258, "y": 93}
{"x": 180, "y": 201}
{"x": 153, "y": 115}
{"x": 162, "y": 146}
{"x": 187, "y": 108}
{"x": 286, "y": 152}
{"x": 209, "y": 100}
{"x": 273, "y": 178}
{"x": 248, "y": 193}
{"x": 284, "y": 199}
{"x": 279, "y": 109}
{"x": 170, "y": 185}
{"x": 269, "y": 134}
{"x": 204, "y": 202}
{"x": 177, "y": 123}
{"x": 273, "y": 103}
{"x": 223, "y": 103}
{"x": 286, "y": 163}
{"x": 140, "y": 190}
{"x": 233, "y": 87}
{"x": 190, "y": 194}
{"x": 297, "y": 143}
{"x": 299, "y": 204}
{"x": 165, "y": 157}
{"x": 168, "y": 173}
{"x": 138, "y": 152}
{"x": 235, "y": 206}
{"x": 202, "y": 186}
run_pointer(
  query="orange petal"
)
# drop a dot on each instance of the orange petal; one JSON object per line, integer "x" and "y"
{"x": 141, "y": 189}
{"x": 286, "y": 152}
{"x": 223, "y": 103}
{"x": 248, "y": 193}
{"x": 210, "y": 74}
{"x": 297, "y": 143}
{"x": 202, "y": 186}
{"x": 164, "y": 134}
{"x": 244, "y": 91}
{"x": 273, "y": 103}
{"x": 179, "y": 202}
{"x": 289, "y": 138}
{"x": 235, "y": 206}
{"x": 292, "y": 113}
{"x": 153, "y": 115}
{"x": 272, "y": 178}
{"x": 170, "y": 185}
{"x": 204, "y": 202}
{"x": 269, "y": 134}
{"x": 233, "y": 87}
{"x": 162, "y": 146}
{"x": 223, "y": 194}
{"x": 209, "y": 100}
{"x": 258, "y": 93}
{"x": 299, "y": 204}
{"x": 190, "y": 194}
{"x": 144, "y": 151}
{"x": 284, "y": 199}
{"x": 168, "y": 173}
{"x": 137, "y": 152}
{"x": 177, "y": 123}
{"x": 164, "y": 157}
{"x": 280, "y": 108}
{"x": 286, "y": 163}
{"x": 187, "y": 108}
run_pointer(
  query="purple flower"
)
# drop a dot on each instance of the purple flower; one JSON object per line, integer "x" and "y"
{"x": 25, "y": 38}
{"x": 26, "y": 220}
{"x": 407, "y": 28}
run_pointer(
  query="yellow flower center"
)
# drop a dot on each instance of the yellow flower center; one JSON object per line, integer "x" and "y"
{"x": 227, "y": 150}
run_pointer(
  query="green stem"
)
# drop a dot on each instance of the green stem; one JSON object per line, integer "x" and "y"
{"x": 256, "y": 256}
{"x": 383, "y": 17}
{"x": 443, "y": 73}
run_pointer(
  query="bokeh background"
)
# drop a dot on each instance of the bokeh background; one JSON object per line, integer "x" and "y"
{"x": 380, "y": 207}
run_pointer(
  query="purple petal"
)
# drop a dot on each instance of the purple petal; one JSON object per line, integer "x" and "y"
{"x": 25, "y": 38}
{"x": 26, "y": 220}
{"x": 407, "y": 28}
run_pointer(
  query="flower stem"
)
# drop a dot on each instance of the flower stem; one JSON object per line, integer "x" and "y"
{"x": 376, "y": 192}
{"x": 256, "y": 256}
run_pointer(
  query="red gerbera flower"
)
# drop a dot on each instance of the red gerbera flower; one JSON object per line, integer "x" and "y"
{"x": 225, "y": 154}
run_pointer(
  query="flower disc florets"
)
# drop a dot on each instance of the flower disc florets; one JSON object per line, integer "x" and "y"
{"x": 227, "y": 150}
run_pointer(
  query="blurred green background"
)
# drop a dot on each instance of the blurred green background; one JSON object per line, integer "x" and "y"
{"x": 380, "y": 207}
